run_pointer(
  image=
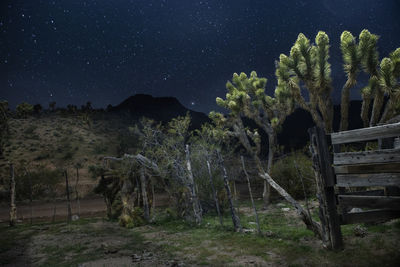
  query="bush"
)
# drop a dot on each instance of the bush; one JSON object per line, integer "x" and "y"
{"x": 134, "y": 219}
{"x": 42, "y": 180}
{"x": 285, "y": 173}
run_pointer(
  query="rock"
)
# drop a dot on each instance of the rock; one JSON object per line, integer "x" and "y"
{"x": 269, "y": 234}
{"x": 354, "y": 210}
{"x": 360, "y": 231}
{"x": 246, "y": 231}
{"x": 147, "y": 255}
{"x": 75, "y": 218}
{"x": 136, "y": 257}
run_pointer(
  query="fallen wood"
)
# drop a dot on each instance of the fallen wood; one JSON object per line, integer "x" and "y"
{"x": 309, "y": 222}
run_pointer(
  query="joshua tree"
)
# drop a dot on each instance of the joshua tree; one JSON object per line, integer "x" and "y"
{"x": 246, "y": 97}
{"x": 52, "y": 106}
{"x": 71, "y": 109}
{"x": 351, "y": 59}
{"x": 37, "y": 109}
{"x": 390, "y": 83}
{"x": 383, "y": 78}
{"x": 24, "y": 110}
{"x": 309, "y": 65}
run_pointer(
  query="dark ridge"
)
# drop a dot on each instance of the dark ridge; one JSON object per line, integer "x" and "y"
{"x": 294, "y": 133}
{"x": 161, "y": 109}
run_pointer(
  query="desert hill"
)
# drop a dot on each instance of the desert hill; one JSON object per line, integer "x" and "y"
{"x": 60, "y": 139}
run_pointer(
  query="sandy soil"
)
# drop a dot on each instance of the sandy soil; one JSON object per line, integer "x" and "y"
{"x": 44, "y": 211}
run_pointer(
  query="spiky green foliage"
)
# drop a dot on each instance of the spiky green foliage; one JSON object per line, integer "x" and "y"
{"x": 351, "y": 58}
{"x": 246, "y": 97}
{"x": 308, "y": 63}
{"x": 390, "y": 83}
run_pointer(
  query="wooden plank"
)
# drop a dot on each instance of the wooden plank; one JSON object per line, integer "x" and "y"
{"x": 373, "y": 179}
{"x": 365, "y": 134}
{"x": 365, "y": 157}
{"x": 367, "y": 168}
{"x": 370, "y": 216}
{"x": 378, "y": 192}
{"x": 372, "y": 202}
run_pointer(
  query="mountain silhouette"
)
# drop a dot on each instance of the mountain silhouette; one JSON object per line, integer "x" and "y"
{"x": 161, "y": 109}
{"x": 293, "y": 135}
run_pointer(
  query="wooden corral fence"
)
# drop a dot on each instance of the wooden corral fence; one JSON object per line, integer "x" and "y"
{"x": 356, "y": 187}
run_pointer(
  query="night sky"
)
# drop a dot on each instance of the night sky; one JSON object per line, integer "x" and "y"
{"x": 73, "y": 51}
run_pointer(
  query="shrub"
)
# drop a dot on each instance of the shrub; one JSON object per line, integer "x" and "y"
{"x": 288, "y": 176}
{"x": 42, "y": 180}
{"x": 23, "y": 110}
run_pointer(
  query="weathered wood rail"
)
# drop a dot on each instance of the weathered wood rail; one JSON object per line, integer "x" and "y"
{"x": 366, "y": 180}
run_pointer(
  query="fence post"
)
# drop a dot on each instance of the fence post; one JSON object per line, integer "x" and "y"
{"x": 13, "y": 207}
{"x": 327, "y": 189}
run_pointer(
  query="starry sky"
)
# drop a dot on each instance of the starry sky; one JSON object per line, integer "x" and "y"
{"x": 74, "y": 51}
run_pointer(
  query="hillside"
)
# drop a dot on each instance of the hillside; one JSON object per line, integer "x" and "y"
{"x": 59, "y": 140}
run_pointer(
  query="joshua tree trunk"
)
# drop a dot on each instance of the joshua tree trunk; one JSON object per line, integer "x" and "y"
{"x": 251, "y": 195}
{"x": 366, "y": 103}
{"x": 388, "y": 111}
{"x": 235, "y": 217}
{"x": 377, "y": 107}
{"x": 144, "y": 195}
{"x": 271, "y": 152}
{"x": 68, "y": 200}
{"x": 325, "y": 105}
{"x": 13, "y": 207}
{"x": 193, "y": 196}
{"x": 128, "y": 202}
{"x": 214, "y": 193}
{"x": 344, "y": 108}
{"x": 77, "y": 192}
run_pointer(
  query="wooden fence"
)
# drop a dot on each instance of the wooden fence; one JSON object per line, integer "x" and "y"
{"x": 356, "y": 187}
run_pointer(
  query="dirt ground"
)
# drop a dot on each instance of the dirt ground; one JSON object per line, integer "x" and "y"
{"x": 44, "y": 211}
{"x": 172, "y": 242}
